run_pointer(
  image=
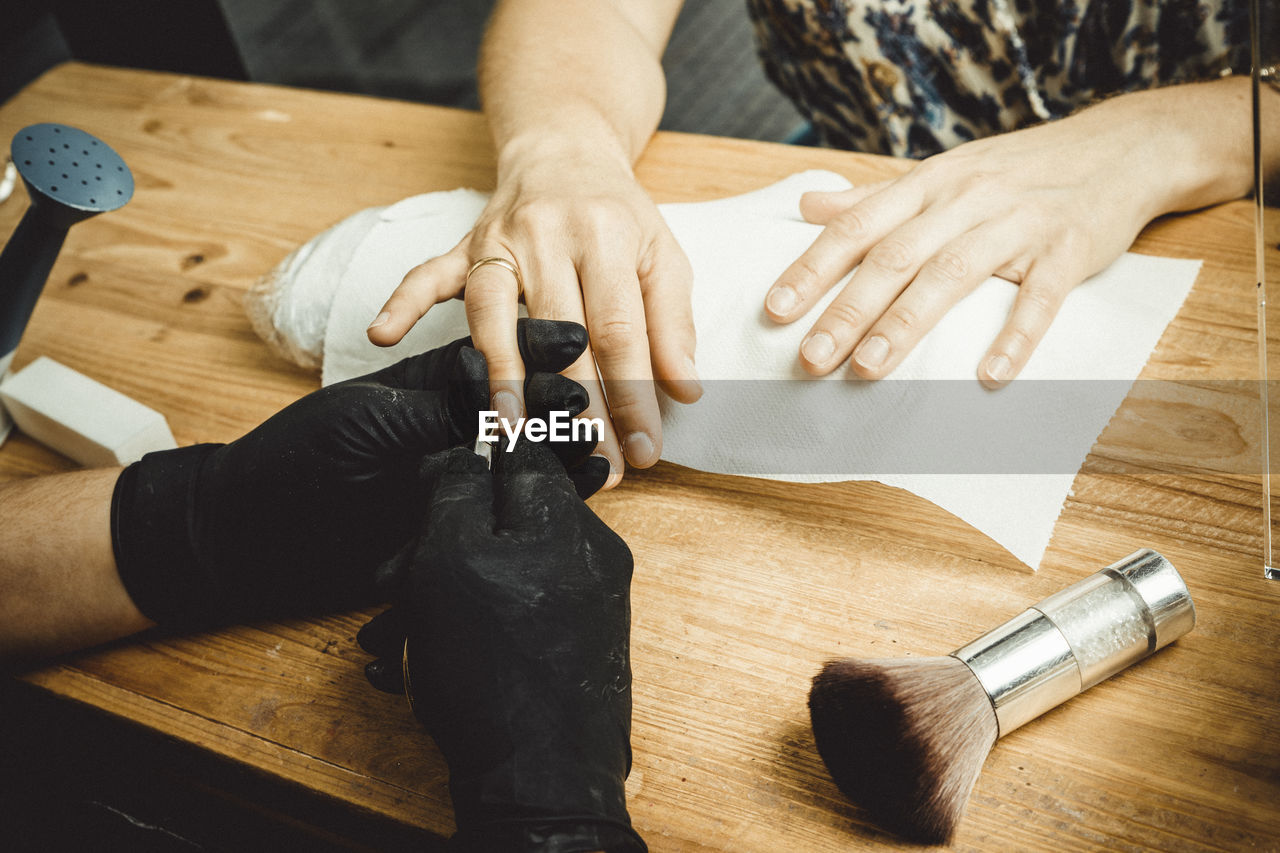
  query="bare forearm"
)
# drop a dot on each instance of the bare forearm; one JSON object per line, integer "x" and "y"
{"x": 59, "y": 589}
{"x": 583, "y": 74}
{"x": 1199, "y": 134}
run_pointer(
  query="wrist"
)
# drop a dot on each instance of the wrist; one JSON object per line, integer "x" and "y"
{"x": 549, "y": 778}
{"x": 541, "y": 149}
{"x": 1197, "y": 142}
{"x": 151, "y": 537}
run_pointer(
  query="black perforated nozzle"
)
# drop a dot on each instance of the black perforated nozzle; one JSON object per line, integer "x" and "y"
{"x": 70, "y": 176}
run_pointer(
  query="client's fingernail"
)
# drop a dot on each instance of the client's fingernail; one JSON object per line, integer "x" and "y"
{"x": 639, "y": 449}
{"x": 818, "y": 347}
{"x": 691, "y": 373}
{"x": 615, "y": 475}
{"x": 872, "y": 352}
{"x": 380, "y": 319}
{"x": 781, "y": 300}
{"x": 998, "y": 368}
{"x": 507, "y": 406}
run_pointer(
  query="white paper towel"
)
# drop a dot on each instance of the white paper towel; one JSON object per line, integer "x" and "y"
{"x": 1002, "y": 461}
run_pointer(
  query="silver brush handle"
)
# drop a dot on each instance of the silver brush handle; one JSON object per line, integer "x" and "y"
{"x": 1077, "y": 637}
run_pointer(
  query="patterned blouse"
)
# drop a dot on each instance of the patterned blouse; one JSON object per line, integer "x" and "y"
{"x": 915, "y": 77}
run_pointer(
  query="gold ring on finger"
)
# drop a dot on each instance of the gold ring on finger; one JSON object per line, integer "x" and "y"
{"x": 501, "y": 262}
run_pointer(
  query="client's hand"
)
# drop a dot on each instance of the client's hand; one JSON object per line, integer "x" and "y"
{"x": 589, "y": 246}
{"x": 515, "y": 601}
{"x": 296, "y": 515}
{"x": 1044, "y": 207}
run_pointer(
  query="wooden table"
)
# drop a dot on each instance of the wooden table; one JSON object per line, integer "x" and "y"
{"x": 742, "y": 587}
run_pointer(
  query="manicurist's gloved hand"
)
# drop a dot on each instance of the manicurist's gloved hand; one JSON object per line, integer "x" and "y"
{"x": 516, "y": 602}
{"x": 295, "y": 516}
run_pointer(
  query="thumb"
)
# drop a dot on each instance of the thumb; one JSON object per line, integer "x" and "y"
{"x": 821, "y": 207}
{"x": 412, "y": 423}
{"x": 459, "y": 514}
{"x": 460, "y": 517}
{"x": 468, "y": 395}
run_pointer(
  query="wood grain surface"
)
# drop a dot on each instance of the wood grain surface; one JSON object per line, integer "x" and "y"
{"x": 742, "y": 587}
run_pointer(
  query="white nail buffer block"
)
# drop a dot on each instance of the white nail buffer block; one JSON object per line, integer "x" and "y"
{"x": 80, "y": 418}
{"x": 6, "y": 422}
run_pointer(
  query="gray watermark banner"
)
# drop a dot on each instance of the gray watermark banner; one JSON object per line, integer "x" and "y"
{"x": 844, "y": 429}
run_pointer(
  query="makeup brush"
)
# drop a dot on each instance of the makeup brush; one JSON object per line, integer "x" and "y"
{"x": 905, "y": 739}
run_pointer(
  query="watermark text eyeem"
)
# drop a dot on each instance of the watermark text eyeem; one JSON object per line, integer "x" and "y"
{"x": 558, "y": 426}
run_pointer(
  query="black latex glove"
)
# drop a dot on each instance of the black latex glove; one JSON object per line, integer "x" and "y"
{"x": 516, "y": 599}
{"x": 295, "y": 516}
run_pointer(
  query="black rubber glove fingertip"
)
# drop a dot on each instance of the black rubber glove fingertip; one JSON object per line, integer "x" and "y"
{"x": 551, "y": 392}
{"x": 472, "y": 366}
{"x": 455, "y": 460}
{"x": 383, "y": 634}
{"x": 386, "y": 675}
{"x": 550, "y": 345}
{"x": 590, "y": 475}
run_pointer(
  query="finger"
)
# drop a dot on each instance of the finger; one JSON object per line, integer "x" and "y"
{"x": 619, "y": 339}
{"x": 468, "y": 395}
{"x": 386, "y": 674}
{"x": 534, "y": 494}
{"x": 461, "y": 512}
{"x": 544, "y": 345}
{"x": 884, "y": 273}
{"x": 819, "y": 207}
{"x": 589, "y": 476}
{"x": 492, "y": 298}
{"x": 550, "y": 345}
{"x": 408, "y": 422}
{"x": 608, "y": 444}
{"x": 842, "y": 244}
{"x": 426, "y": 285}
{"x": 557, "y": 293}
{"x": 550, "y": 395}
{"x": 425, "y": 371}
{"x": 1039, "y": 298}
{"x": 383, "y": 635}
{"x": 551, "y": 392}
{"x": 666, "y": 282}
{"x": 391, "y": 577}
{"x": 952, "y": 272}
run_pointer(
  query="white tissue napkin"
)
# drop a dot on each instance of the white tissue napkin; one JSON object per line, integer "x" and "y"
{"x": 1002, "y": 461}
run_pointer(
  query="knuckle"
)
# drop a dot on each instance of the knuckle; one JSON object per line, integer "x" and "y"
{"x": 613, "y": 334}
{"x": 849, "y": 225}
{"x": 679, "y": 266}
{"x": 1015, "y": 271}
{"x": 927, "y": 169}
{"x": 1075, "y": 243}
{"x": 1040, "y": 302}
{"x": 534, "y": 216}
{"x": 843, "y": 313}
{"x": 488, "y": 234}
{"x": 948, "y": 267}
{"x": 891, "y": 255}
{"x": 602, "y": 220}
{"x": 903, "y": 318}
{"x": 625, "y": 404}
{"x": 404, "y": 302}
{"x": 804, "y": 274}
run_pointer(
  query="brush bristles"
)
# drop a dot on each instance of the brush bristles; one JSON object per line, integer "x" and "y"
{"x": 905, "y": 739}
